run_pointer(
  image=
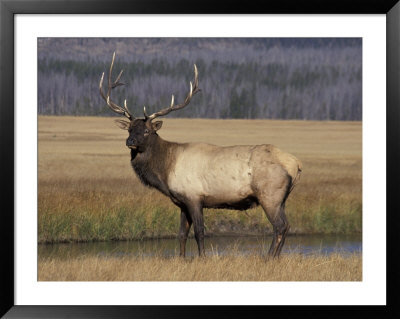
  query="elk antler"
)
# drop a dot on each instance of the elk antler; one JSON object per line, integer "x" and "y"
{"x": 193, "y": 90}
{"x": 116, "y": 108}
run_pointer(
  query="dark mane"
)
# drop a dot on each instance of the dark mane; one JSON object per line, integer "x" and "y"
{"x": 153, "y": 170}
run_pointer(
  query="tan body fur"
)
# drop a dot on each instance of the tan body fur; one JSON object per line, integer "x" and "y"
{"x": 218, "y": 175}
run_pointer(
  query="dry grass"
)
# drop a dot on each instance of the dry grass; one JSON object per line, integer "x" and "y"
{"x": 214, "y": 268}
{"x": 88, "y": 191}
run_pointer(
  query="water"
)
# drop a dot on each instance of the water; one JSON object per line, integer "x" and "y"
{"x": 307, "y": 244}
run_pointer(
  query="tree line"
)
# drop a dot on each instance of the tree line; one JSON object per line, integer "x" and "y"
{"x": 317, "y": 81}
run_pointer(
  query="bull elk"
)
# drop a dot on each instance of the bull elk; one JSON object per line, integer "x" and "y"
{"x": 196, "y": 175}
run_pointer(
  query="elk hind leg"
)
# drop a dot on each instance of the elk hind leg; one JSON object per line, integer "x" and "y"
{"x": 284, "y": 230}
{"x": 272, "y": 187}
{"x": 276, "y": 215}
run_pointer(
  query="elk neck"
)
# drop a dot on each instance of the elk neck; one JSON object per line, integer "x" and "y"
{"x": 153, "y": 165}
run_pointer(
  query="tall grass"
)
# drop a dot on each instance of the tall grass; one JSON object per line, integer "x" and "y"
{"x": 293, "y": 267}
{"x": 87, "y": 190}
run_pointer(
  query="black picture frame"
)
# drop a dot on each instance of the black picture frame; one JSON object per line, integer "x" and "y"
{"x": 8, "y": 10}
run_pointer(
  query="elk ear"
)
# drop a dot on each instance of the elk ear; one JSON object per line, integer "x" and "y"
{"x": 156, "y": 125}
{"x": 123, "y": 124}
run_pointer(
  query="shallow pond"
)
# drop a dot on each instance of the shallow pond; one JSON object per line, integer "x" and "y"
{"x": 306, "y": 244}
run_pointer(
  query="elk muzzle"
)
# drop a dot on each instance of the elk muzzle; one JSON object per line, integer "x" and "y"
{"x": 130, "y": 143}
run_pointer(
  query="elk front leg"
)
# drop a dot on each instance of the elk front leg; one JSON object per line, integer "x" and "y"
{"x": 186, "y": 222}
{"x": 196, "y": 214}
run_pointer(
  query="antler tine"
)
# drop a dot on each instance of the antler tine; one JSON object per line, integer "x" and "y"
{"x": 126, "y": 107}
{"x": 116, "y": 83}
{"x": 193, "y": 90}
{"x": 101, "y": 87}
{"x": 145, "y": 113}
{"x": 196, "y": 80}
{"x": 109, "y": 76}
{"x": 111, "y": 85}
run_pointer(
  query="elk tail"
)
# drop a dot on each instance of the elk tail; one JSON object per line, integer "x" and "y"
{"x": 297, "y": 178}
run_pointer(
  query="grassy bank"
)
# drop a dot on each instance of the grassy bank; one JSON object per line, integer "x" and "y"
{"x": 87, "y": 190}
{"x": 213, "y": 268}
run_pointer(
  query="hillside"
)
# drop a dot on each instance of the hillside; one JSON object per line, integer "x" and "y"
{"x": 290, "y": 78}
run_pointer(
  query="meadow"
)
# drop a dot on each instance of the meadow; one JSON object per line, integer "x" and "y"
{"x": 87, "y": 190}
{"x": 293, "y": 267}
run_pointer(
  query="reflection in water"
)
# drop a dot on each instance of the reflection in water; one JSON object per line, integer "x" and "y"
{"x": 310, "y": 244}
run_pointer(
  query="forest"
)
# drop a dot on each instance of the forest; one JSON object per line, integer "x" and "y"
{"x": 266, "y": 78}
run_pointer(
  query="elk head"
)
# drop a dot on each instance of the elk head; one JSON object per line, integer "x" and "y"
{"x": 141, "y": 130}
